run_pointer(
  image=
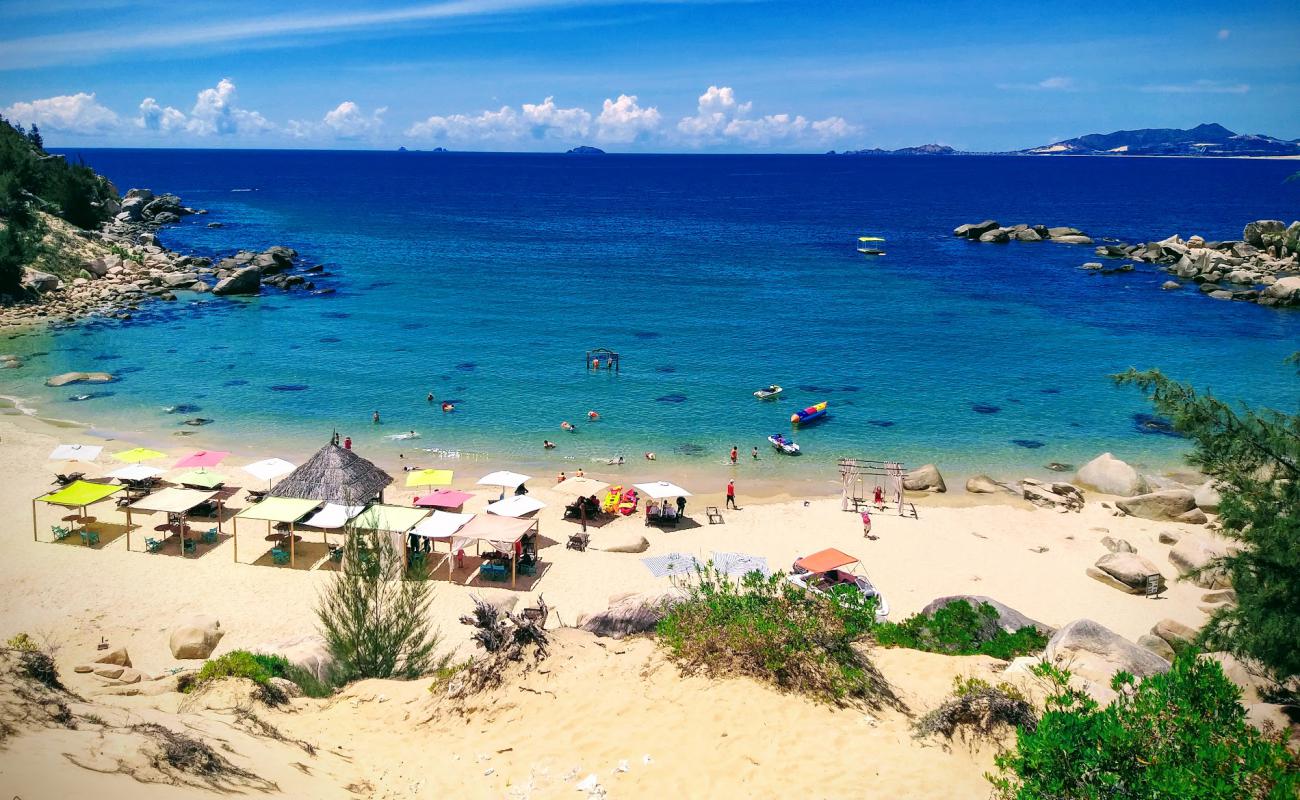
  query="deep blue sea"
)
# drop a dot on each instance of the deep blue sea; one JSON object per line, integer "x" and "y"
{"x": 484, "y": 278}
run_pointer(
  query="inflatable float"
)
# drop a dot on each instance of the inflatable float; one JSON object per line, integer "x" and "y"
{"x": 809, "y": 414}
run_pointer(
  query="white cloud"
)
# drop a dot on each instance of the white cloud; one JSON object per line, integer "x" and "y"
{"x": 1197, "y": 87}
{"x": 548, "y": 121}
{"x": 1224, "y": 33}
{"x": 215, "y": 112}
{"x": 347, "y": 121}
{"x": 158, "y": 118}
{"x": 1056, "y": 83}
{"x": 624, "y": 120}
{"x": 70, "y": 113}
{"x": 503, "y": 123}
{"x": 721, "y": 118}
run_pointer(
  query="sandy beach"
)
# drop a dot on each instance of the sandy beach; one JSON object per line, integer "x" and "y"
{"x": 599, "y": 702}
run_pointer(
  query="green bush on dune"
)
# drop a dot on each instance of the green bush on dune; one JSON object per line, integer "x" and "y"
{"x": 960, "y": 629}
{"x": 259, "y": 668}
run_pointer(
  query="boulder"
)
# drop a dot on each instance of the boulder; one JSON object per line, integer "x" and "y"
{"x": 1207, "y": 496}
{"x": 1091, "y": 265}
{"x": 180, "y": 280}
{"x": 108, "y": 670}
{"x": 619, "y": 542}
{"x": 40, "y": 282}
{"x": 1060, "y": 496}
{"x": 1072, "y": 239}
{"x": 997, "y": 235}
{"x": 1156, "y": 645}
{"x": 629, "y": 615}
{"x": 97, "y": 267}
{"x": 268, "y": 264}
{"x": 1061, "y": 230}
{"x": 1174, "y": 632}
{"x": 1125, "y": 571}
{"x": 78, "y": 377}
{"x": 1109, "y": 475}
{"x": 976, "y": 229}
{"x": 195, "y": 637}
{"x": 1194, "y": 516}
{"x": 1193, "y": 554}
{"x": 1168, "y": 504}
{"x": 924, "y": 479}
{"x": 1117, "y": 545}
{"x": 1094, "y": 652}
{"x": 1028, "y": 235}
{"x": 1009, "y": 619}
{"x": 1284, "y": 291}
{"x": 117, "y": 656}
{"x": 308, "y": 652}
{"x": 1263, "y": 233}
{"x": 982, "y": 484}
{"x": 246, "y": 280}
{"x": 1171, "y": 285}
{"x": 1169, "y": 537}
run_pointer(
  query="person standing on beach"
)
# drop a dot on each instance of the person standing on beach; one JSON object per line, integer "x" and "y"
{"x": 347, "y": 443}
{"x": 731, "y": 494}
{"x": 866, "y": 524}
{"x": 734, "y": 454}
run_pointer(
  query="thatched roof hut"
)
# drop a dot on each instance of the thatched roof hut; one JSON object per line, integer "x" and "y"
{"x": 334, "y": 475}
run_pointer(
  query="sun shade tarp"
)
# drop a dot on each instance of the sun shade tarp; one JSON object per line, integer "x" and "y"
{"x": 826, "y": 560}
{"x": 429, "y": 477}
{"x": 137, "y": 454}
{"x": 396, "y": 519}
{"x": 504, "y": 478}
{"x": 80, "y": 493}
{"x": 333, "y": 515}
{"x": 442, "y": 525}
{"x": 444, "y": 498}
{"x": 516, "y": 506}
{"x": 279, "y": 509}
{"x": 661, "y": 490}
{"x": 500, "y": 532}
{"x": 173, "y": 501}
{"x": 76, "y": 452}
{"x": 269, "y": 468}
{"x": 583, "y": 486}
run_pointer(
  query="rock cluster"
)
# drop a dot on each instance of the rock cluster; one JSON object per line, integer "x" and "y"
{"x": 122, "y": 265}
{"x": 1262, "y": 267}
{"x": 990, "y": 231}
{"x": 1059, "y": 496}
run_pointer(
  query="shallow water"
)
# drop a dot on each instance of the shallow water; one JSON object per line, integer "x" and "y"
{"x": 484, "y": 278}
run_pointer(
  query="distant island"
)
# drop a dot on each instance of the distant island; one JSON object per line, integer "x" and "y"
{"x": 584, "y": 150}
{"x": 1210, "y": 140}
{"x": 434, "y": 150}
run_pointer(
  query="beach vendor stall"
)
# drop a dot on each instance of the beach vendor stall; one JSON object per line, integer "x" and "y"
{"x": 506, "y": 536}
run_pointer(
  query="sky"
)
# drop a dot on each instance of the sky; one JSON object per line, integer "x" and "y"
{"x": 650, "y": 76}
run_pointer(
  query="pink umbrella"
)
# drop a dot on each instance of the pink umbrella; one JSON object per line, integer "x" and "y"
{"x": 203, "y": 458}
{"x": 444, "y": 498}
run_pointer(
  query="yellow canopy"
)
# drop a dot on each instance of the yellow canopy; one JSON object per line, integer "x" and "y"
{"x": 279, "y": 509}
{"x": 870, "y": 239}
{"x": 80, "y": 493}
{"x": 138, "y": 454}
{"x": 429, "y": 477}
{"x": 397, "y": 519}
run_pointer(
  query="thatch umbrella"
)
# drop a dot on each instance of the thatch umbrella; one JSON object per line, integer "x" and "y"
{"x": 334, "y": 475}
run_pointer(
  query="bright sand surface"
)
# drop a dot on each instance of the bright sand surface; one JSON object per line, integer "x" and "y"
{"x": 595, "y": 702}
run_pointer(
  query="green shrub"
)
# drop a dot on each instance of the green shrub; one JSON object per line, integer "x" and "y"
{"x": 770, "y": 629}
{"x": 980, "y": 710}
{"x": 1182, "y": 734}
{"x": 960, "y": 629}
{"x": 259, "y": 668}
{"x": 23, "y": 643}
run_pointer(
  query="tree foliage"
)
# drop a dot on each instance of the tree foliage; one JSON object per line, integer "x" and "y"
{"x": 1254, "y": 457}
{"x": 375, "y": 622}
{"x": 1181, "y": 734}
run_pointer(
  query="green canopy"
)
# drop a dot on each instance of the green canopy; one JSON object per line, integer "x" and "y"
{"x": 80, "y": 493}
{"x": 397, "y": 519}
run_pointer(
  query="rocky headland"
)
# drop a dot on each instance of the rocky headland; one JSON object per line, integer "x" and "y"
{"x": 991, "y": 231}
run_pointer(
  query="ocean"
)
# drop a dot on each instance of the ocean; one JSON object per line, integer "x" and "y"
{"x": 485, "y": 278}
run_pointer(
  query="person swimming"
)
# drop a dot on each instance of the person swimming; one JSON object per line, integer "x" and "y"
{"x": 568, "y": 426}
{"x": 548, "y": 444}
{"x": 448, "y": 407}
{"x": 649, "y": 456}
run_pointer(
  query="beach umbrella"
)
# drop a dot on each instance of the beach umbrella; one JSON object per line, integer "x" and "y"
{"x": 138, "y": 454}
{"x": 201, "y": 478}
{"x": 269, "y": 469}
{"x": 76, "y": 452}
{"x": 661, "y": 490}
{"x": 516, "y": 506}
{"x": 203, "y": 458}
{"x": 429, "y": 477}
{"x": 135, "y": 472}
{"x": 581, "y": 486}
{"x": 444, "y": 498}
{"x": 503, "y": 478}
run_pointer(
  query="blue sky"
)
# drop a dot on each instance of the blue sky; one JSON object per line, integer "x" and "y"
{"x": 660, "y": 75}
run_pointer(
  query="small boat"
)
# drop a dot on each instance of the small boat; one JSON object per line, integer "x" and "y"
{"x": 832, "y": 572}
{"x": 809, "y": 414}
{"x": 870, "y": 251}
{"x": 784, "y": 445}
{"x": 770, "y": 393}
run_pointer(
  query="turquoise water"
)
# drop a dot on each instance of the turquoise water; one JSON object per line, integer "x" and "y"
{"x": 484, "y": 278}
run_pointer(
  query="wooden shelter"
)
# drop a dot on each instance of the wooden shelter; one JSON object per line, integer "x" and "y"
{"x": 78, "y": 495}
{"x": 278, "y": 510}
{"x": 334, "y": 475}
{"x": 177, "y": 504}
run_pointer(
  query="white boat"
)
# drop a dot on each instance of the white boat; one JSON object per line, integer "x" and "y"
{"x": 770, "y": 393}
{"x": 784, "y": 445}
{"x": 833, "y": 571}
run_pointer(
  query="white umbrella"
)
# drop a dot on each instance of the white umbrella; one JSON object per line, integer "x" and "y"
{"x": 661, "y": 490}
{"x": 75, "y": 452}
{"x": 135, "y": 472}
{"x": 583, "y": 486}
{"x": 503, "y": 478}
{"x": 516, "y": 506}
{"x": 268, "y": 469}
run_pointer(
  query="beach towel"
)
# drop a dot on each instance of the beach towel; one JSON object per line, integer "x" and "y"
{"x": 738, "y": 564}
{"x": 671, "y": 564}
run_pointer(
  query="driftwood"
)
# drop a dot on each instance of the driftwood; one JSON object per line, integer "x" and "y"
{"x": 505, "y": 638}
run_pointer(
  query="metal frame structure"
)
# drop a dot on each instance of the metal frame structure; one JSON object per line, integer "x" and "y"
{"x": 852, "y": 487}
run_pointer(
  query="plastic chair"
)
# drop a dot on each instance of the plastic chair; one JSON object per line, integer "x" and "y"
{"x": 153, "y": 545}
{"x": 210, "y": 536}
{"x": 279, "y": 556}
{"x": 189, "y": 546}
{"x": 89, "y": 538}
{"x": 60, "y": 532}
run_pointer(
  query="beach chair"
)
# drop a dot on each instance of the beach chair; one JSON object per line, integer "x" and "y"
{"x": 493, "y": 572}
{"x": 153, "y": 545}
{"x": 417, "y": 561}
{"x": 336, "y": 554}
{"x": 60, "y": 532}
{"x": 279, "y": 556}
{"x": 71, "y": 477}
{"x": 89, "y": 538}
{"x": 189, "y": 546}
{"x": 579, "y": 542}
{"x": 210, "y": 536}
{"x": 715, "y": 516}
